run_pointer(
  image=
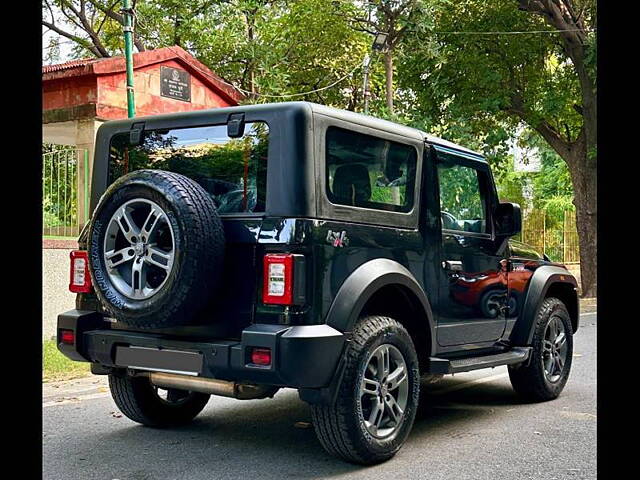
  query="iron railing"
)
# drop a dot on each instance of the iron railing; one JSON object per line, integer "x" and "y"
{"x": 557, "y": 237}
{"x": 65, "y": 191}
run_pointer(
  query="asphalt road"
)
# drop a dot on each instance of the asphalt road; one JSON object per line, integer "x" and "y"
{"x": 470, "y": 426}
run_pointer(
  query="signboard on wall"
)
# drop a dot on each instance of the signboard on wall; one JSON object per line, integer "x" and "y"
{"x": 175, "y": 83}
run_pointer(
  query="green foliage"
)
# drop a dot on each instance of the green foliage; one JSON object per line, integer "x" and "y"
{"x": 59, "y": 185}
{"x": 55, "y": 366}
{"x": 510, "y": 183}
{"x": 459, "y": 192}
{"x": 386, "y": 194}
{"x": 553, "y": 180}
{"x": 225, "y": 162}
{"x": 273, "y": 47}
{"x": 463, "y": 87}
{"x": 484, "y": 85}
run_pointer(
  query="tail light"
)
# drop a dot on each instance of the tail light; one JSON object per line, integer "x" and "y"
{"x": 67, "y": 337}
{"x": 80, "y": 281}
{"x": 283, "y": 279}
{"x": 261, "y": 356}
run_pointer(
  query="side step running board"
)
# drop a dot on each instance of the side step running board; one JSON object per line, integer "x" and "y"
{"x": 445, "y": 366}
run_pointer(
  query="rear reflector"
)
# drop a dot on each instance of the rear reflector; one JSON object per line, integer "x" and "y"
{"x": 68, "y": 337}
{"x": 277, "y": 287}
{"x": 261, "y": 356}
{"x": 80, "y": 281}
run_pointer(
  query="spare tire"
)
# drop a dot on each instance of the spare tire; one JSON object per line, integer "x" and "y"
{"x": 156, "y": 248}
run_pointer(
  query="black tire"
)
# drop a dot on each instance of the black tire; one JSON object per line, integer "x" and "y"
{"x": 137, "y": 398}
{"x": 340, "y": 428}
{"x": 530, "y": 381}
{"x": 198, "y": 242}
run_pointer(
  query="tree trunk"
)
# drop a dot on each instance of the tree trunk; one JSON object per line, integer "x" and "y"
{"x": 388, "y": 67}
{"x": 585, "y": 199}
{"x": 581, "y": 158}
{"x": 249, "y": 17}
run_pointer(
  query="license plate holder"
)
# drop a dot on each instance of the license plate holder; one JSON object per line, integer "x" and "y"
{"x": 159, "y": 360}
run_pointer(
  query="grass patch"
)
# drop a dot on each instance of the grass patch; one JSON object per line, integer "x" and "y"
{"x": 56, "y": 367}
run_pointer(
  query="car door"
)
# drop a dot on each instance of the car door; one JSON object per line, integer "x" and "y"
{"x": 472, "y": 288}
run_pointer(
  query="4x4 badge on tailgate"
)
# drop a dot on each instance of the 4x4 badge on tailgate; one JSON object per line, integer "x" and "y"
{"x": 337, "y": 239}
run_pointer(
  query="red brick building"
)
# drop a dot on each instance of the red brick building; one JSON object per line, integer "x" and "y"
{"x": 96, "y": 88}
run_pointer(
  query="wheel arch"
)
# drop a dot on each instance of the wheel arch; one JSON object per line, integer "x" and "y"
{"x": 385, "y": 287}
{"x": 547, "y": 281}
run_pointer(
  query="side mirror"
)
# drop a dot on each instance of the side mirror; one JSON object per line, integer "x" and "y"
{"x": 508, "y": 219}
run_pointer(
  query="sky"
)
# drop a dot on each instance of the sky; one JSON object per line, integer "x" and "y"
{"x": 66, "y": 46}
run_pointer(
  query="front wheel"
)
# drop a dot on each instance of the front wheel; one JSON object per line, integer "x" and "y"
{"x": 377, "y": 397}
{"x": 548, "y": 370}
{"x": 149, "y": 405}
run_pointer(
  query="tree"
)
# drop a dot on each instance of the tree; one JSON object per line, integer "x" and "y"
{"x": 269, "y": 48}
{"x": 295, "y": 46}
{"x": 393, "y": 17}
{"x": 463, "y": 69}
{"x": 78, "y": 19}
{"x": 572, "y": 19}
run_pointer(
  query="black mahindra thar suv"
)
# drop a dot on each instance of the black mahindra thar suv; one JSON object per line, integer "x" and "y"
{"x": 241, "y": 250}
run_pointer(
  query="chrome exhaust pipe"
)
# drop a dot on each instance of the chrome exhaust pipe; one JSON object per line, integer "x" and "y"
{"x": 212, "y": 386}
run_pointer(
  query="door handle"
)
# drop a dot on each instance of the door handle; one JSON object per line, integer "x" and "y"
{"x": 452, "y": 265}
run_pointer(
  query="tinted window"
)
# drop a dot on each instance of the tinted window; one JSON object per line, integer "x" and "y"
{"x": 367, "y": 171}
{"x": 232, "y": 170}
{"x": 462, "y": 202}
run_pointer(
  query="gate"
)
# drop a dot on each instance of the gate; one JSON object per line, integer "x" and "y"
{"x": 65, "y": 190}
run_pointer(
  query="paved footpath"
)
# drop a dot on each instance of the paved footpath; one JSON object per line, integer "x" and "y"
{"x": 470, "y": 426}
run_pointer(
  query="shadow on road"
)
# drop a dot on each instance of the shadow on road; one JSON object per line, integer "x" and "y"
{"x": 258, "y": 438}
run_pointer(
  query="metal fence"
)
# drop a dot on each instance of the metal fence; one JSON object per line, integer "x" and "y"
{"x": 557, "y": 237}
{"x": 65, "y": 192}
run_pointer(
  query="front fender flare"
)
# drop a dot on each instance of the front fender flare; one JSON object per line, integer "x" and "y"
{"x": 360, "y": 286}
{"x": 541, "y": 280}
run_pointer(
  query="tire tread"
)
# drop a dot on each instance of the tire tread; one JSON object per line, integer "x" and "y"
{"x": 331, "y": 422}
{"x": 529, "y": 381}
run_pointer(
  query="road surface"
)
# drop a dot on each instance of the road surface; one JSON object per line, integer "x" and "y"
{"x": 469, "y": 426}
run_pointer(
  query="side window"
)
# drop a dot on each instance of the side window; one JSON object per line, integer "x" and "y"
{"x": 462, "y": 199}
{"x": 371, "y": 172}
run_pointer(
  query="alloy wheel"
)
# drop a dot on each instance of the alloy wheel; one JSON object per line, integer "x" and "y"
{"x": 554, "y": 349}
{"x": 139, "y": 249}
{"x": 384, "y": 391}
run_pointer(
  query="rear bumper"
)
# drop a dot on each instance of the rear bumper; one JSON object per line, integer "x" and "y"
{"x": 304, "y": 356}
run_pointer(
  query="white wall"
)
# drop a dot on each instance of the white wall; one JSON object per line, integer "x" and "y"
{"x": 56, "y": 297}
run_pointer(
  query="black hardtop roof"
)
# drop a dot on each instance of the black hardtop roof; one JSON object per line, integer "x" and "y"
{"x": 357, "y": 118}
{"x": 381, "y": 124}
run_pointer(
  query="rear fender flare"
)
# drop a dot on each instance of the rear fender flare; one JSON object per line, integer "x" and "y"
{"x": 363, "y": 283}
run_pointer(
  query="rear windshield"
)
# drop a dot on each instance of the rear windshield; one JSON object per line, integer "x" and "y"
{"x": 232, "y": 170}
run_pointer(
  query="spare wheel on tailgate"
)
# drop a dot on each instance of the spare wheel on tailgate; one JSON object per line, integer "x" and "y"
{"x": 156, "y": 247}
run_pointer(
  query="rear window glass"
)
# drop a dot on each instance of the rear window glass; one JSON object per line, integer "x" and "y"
{"x": 370, "y": 172}
{"x": 232, "y": 170}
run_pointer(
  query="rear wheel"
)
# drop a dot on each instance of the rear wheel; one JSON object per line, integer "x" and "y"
{"x": 377, "y": 397}
{"x": 546, "y": 374}
{"x": 143, "y": 402}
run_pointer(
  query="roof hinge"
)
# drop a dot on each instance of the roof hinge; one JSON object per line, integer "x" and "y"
{"x": 136, "y": 133}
